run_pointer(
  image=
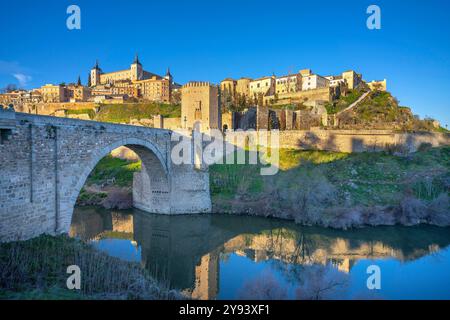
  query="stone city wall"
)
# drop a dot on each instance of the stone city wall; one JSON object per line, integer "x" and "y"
{"x": 359, "y": 140}
{"x": 47, "y": 109}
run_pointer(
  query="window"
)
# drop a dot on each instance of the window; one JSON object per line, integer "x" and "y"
{"x": 4, "y": 135}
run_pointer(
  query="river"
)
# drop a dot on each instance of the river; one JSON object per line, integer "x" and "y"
{"x": 239, "y": 257}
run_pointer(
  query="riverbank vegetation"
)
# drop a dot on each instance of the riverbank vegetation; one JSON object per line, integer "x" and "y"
{"x": 340, "y": 190}
{"x": 37, "y": 269}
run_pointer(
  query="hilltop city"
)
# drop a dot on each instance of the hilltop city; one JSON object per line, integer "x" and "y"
{"x": 301, "y": 100}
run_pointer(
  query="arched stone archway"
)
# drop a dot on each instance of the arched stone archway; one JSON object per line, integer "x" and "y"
{"x": 151, "y": 186}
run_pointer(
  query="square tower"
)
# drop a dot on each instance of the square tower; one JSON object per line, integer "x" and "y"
{"x": 200, "y": 106}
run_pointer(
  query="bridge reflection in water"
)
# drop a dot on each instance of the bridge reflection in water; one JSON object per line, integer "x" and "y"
{"x": 186, "y": 251}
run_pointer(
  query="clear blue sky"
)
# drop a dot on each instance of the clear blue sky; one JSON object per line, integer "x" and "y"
{"x": 211, "y": 40}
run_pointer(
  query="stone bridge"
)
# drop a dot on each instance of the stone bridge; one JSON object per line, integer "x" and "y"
{"x": 45, "y": 161}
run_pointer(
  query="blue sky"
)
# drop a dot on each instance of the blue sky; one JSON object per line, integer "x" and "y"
{"x": 211, "y": 40}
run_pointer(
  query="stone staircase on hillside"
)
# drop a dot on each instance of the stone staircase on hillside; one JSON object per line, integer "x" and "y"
{"x": 354, "y": 104}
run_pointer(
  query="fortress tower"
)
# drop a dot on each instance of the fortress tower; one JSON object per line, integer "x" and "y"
{"x": 200, "y": 106}
{"x": 168, "y": 76}
{"x": 137, "y": 72}
{"x": 95, "y": 75}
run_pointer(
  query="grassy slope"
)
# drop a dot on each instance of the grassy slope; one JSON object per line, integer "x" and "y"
{"x": 89, "y": 112}
{"x": 366, "y": 179}
{"x": 121, "y": 170}
{"x": 380, "y": 110}
{"x": 122, "y": 113}
{"x": 344, "y": 101}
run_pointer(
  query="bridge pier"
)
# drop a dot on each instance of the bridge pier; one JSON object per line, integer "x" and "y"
{"x": 45, "y": 161}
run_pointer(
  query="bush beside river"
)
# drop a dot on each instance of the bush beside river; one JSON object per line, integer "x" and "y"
{"x": 36, "y": 269}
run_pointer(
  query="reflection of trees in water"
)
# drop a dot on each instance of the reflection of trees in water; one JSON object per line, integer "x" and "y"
{"x": 263, "y": 287}
{"x": 312, "y": 282}
{"x": 276, "y": 240}
{"x": 319, "y": 282}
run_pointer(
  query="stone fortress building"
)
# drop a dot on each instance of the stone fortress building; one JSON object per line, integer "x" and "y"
{"x": 200, "y": 106}
{"x": 134, "y": 82}
{"x": 121, "y": 86}
{"x": 135, "y": 72}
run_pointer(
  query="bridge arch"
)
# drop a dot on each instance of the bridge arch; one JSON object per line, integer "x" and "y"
{"x": 45, "y": 161}
{"x": 151, "y": 186}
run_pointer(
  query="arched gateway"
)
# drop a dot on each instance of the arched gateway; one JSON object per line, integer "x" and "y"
{"x": 45, "y": 161}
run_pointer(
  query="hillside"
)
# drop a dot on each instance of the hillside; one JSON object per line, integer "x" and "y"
{"x": 379, "y": 110}
{"x": 340, "y": 190}
{"x": 344, "y": 101}
{"x": 122, "y": 113}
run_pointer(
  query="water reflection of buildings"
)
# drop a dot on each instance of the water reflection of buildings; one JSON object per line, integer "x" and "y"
{"x": 185, "y": 251}
{"x": 95, "y": 224}
{"x": 280, "y": 245}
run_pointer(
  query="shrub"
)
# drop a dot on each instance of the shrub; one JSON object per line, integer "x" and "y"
{"x": 424, "y": 147}
{"x": 118, "y": 199}
{"x": 347, "y": 218}
{"x": 439, "y": 210}
{"x": 321, "y": 282}
{"x": 310, "y": 193}
{"x": 412, "y": 211}
{"x": 263, "y": 287}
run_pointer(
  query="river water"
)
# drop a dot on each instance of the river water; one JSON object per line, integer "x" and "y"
{"x": 233, "y": 257}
